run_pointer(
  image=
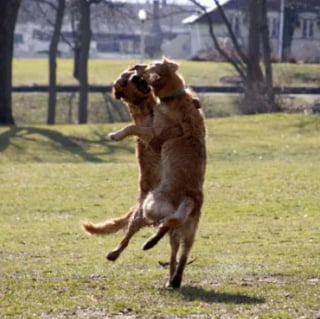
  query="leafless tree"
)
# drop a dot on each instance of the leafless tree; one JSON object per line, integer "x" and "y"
{"x": 58, "y": 7}
{"x": 8, "y": 17}
{"x": 258, "y": 87}
{"x": 82, "y": 9}
{"x": 53, "y": 52}
{"x": 82, "y": 56}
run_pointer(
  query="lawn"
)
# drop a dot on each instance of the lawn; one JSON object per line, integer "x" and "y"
{"x": 32, "y": 107}
{"x": 257, "y": 251}
{"x": 196, "y": 73}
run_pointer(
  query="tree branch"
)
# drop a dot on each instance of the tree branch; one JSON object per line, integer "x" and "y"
{"x": 236, "y": 63}
{"x": 231, "y": 33}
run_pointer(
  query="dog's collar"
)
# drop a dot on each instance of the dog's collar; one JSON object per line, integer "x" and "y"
{"x": 173, "y": 96}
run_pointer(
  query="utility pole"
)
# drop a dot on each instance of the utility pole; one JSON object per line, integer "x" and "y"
{"x": 281, "y": 29}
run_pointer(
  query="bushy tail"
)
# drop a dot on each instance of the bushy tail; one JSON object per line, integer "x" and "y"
{"x": 110, "y": 226}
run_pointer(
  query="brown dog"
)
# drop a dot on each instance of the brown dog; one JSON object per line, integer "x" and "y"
{"x": 176, "y": 202}
{"x": 137, "y": 95}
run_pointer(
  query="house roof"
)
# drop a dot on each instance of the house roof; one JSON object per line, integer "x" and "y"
{"x": 242, "y": 5}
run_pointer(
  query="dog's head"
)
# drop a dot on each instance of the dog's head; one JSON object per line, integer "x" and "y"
{"x": 159, "y": 73}
{"x": 130, "y": 87}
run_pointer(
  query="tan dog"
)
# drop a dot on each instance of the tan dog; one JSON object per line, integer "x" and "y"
{"x": 137, "y": 95}
{"x": 176, "y": 202}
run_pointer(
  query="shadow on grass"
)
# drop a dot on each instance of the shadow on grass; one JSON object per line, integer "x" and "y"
{"x": 60, "y": 142}
{"x": 210, "y": 296}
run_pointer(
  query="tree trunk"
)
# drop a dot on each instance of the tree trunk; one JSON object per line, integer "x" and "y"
{"x": 85, "y": 37}
{"x": 258, "y": 90}
{"x": 8, "y": 17}
{"x": 266, "y": 49}
{"x": 290, "y": 19}
{"x": 53, "y": 62}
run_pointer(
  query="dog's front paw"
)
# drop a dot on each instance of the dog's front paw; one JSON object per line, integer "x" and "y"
{"x": 113, "y": 136}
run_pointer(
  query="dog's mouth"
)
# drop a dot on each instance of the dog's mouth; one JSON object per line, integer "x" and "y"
{"x": 130, "y": 84}
{"x": 140, "y": 84}
{"x": 118, "y": 91}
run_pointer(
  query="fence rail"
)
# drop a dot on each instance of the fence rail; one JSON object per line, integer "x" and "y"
{"x": 198, "y": 89}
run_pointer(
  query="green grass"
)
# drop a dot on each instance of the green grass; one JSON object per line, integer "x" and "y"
{"x": 35, "y": 71}
{"x": 257, "y": 248}
{"x": 105, "y": 71}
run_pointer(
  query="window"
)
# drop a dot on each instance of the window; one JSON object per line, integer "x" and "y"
{"x": 109, "y": 46}
{"x": 18, "y": 38}
{"x": 273, "y": 27}
{"x": 235, "y": 24}
{"x": 307, "y": 28}
{"x": 40, "y": 35}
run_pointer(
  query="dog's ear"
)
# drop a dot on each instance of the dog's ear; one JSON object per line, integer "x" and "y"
{"x": 173, "y": 66}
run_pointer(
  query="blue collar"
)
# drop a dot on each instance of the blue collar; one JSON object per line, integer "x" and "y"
{"x": 173, "y": 96}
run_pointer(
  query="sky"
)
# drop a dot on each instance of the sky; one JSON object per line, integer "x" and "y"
{"x": 203, "y": 2}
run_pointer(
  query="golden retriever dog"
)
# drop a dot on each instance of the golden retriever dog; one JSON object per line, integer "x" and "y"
{"x": 140, "y": 101}
{"x": 176, "y": 202}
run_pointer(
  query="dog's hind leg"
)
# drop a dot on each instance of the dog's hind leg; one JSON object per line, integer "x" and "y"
{"x": 152, "y": 241}
{"x": 174, "y": 245}
{"x": 175, "y": 280}
{"x": 186, "y": 235}
{"x": 173, "y": 221}
{"x": 180, "y": 215}
{"x": 136, "y": 223}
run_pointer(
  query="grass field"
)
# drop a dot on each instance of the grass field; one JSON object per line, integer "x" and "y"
{"x": 196, "y": 73}
{"x": 32, "y": 107}
{"x": 257, "y": 251}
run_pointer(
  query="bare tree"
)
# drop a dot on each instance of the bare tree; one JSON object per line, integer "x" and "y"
{"x": 259, "y": 95}
{"x": 53, "y": 52}
{"x": 42, "y": 10}
{"x": 8, "y": 17}
{"x": 82, "y": 48}
{"x": 82, "y": 63}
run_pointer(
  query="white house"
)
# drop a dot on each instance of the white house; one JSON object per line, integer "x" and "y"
{"x": 294, "y": 31}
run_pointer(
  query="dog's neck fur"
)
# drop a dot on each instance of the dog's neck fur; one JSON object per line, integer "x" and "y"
{"x": 167, "y": 94}
{"x": 142, "y": 110}
{"x": 176, "y": 94}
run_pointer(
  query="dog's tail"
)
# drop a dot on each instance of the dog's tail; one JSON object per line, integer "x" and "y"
{"x": 110, "y": 226}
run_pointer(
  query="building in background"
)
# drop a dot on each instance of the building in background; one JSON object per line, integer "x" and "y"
{"x": 116, "y": 31}
{"x": 294, "y": 28}
{"x": 177, "y": 31}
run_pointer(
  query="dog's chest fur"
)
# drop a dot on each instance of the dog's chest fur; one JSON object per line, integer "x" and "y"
{"x": 166, "y": 116}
